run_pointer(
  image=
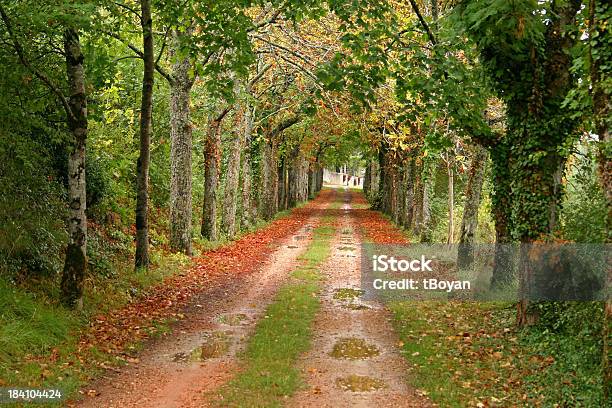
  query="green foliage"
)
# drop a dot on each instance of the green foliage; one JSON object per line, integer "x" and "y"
{"x": 571, "y": 333}
{"x": 32, "y": 210}
{"x": 584, "y": 208}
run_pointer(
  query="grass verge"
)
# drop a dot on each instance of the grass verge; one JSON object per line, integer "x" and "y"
{"x": 470, "y": 354}
{"x": 269, "y": 374}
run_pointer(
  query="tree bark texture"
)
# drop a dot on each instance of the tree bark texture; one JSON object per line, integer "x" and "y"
{"x": 142, "y": 167}
{"x": 450, "y": 170}
{"x": 247, "y": 215}
{"x": 230, "y": 199}
{"x": 212, "y": 153}
{"x": 469, "y": 221}
{"x": 180, "y": 154}
{"x": 75, "y": 265}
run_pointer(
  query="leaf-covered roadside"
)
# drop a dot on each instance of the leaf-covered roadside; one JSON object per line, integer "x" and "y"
{"x": 111, "y": 339}
{"x": 471, "y": 354}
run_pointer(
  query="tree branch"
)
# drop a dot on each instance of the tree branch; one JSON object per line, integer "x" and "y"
{"x": 285, "y": 124}
{"x": 140, "y": 54}
{"x": 26, "y": 63}
{"x": 430, "y": 34}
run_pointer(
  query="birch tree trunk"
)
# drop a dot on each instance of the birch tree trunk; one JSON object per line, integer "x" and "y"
{"x": 180, "y": 155}
{"x": 75, "y": 264}
{"x": 469, "y": 221}
{"x": 142, "y": 167}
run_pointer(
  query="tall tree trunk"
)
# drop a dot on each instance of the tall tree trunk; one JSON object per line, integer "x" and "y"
{"x": 312, "y": 187}
{"x": 230, "y": 199}
{"x": 142, "y": 167}
{"x": 450, "y": 169}
{"x": 469, "y": 221}
{"x": 417, "y": 211}
{"x": 367, "y": 180}
{"x": 503, "y": 266}
{"x": 180, "y": 153}
{"x": 269, "y": 199}
{"x": 428, "y": 191}
{"x": 393, "y": 195}
{"x": 212, "y": 153}
{"x": 282, "y": 185}
{"x": 248, "y": 210}
{"x": 409, "y": 195}
{"x": 75, "y": 264}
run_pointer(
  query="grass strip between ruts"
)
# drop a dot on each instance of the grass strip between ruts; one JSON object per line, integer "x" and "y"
{"x": 269, "y": 374}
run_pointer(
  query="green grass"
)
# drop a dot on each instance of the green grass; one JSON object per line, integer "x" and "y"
{"x": 442, "y": 343}
{"x": 29, "y": 325}
{"x": 466, "y": 353}
{"x": 33, "y": 325}
{"x": 269, "y": 373}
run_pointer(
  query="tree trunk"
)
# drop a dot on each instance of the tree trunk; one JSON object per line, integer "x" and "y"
{"x": 469, "y": 221}
{"x": 75, "y": 264}
{"x": 367, "y": 179}
{"x": 418, "y": 198}
{"x": 312, "y": 187}
{"x": 180, "y": 154}
{"x": 282, "y": 185}
{"x": 409, "y": 195}
{"x": 142, "y": 167}
{"x": 428, "y": 187}
{"x": 212, "y": 152}
{"x": 230, "y": 199}
{"x": 248, "y": 210}
{"x": 269, "y": 191}
{"x": 503, "y": 266}
{"x": 450, "y": 169}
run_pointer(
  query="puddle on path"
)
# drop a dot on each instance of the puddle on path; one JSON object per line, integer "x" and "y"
{"x": 234, "y": 319}
{"x": 355, "y": 306}
{"x": 215, "y": 345}
{"x": 347, "y": 293}
{"x": 360, "y": 383}
{"x": 354, "y": 348}
{"x": 292, "y": 246}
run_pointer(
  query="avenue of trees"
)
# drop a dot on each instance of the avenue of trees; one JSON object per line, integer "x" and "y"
{"x": 138, "y": 125}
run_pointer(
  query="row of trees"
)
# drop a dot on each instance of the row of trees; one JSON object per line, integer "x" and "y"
{"x": 526, "y": 83}
{"x": 247, "y": 70}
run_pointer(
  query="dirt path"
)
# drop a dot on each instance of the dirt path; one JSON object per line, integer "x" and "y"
{"x": 199, "y": 356}
{"x": 180, "y": 369}
{"x": 354, "y": 359}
